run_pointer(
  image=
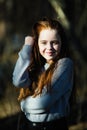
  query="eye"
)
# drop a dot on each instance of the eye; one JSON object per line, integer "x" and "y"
{"x": 55, "y": 42}
{"x": 43, "y": 42}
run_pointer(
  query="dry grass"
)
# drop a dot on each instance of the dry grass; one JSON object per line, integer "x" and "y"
{"x": 8, "y": 104}
{"x": 79, "y": 126}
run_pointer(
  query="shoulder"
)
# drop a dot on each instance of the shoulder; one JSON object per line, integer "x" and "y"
{"x": 63, "y": 70}
{"x": 63, "y": 64}
{"x": 65, "y": 61}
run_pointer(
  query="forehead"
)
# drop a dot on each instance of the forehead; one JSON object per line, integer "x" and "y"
{"x": 48, "y": 34}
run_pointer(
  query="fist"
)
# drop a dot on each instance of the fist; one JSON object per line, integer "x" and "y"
{"x": 29, "y": 40}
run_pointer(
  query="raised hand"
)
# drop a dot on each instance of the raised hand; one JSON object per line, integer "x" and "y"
{"x": 29, "y": 40}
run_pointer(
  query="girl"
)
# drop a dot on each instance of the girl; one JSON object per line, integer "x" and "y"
{"x": 44, "y": 72}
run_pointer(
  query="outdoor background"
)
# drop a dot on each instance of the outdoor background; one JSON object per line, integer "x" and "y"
{"x": 16, "y": 20}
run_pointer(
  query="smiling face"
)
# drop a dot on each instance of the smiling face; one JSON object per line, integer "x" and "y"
{"x": 49, "y": 44}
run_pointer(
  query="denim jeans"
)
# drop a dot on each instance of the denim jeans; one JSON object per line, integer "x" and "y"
{"x": 59, "y": 124}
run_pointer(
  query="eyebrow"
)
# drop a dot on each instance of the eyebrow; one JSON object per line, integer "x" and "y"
{"x": 43, "y": 40}
{"x": 52, "y": 40}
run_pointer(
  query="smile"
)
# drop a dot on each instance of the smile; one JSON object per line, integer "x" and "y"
{"x": 50, "y": 53}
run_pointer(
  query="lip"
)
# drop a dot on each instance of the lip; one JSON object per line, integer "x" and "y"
{"x": 49, "y": 53}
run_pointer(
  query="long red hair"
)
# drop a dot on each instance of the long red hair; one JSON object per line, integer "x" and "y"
{"x": 39, "y": 80}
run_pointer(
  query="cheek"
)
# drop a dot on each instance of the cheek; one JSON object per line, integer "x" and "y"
{"x": 41, "y": 49}
{"x": 58, "y": 47}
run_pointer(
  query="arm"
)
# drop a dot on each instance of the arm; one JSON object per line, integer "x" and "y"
{"x": 62, "y": 83}
{"x": 20, "y": 74}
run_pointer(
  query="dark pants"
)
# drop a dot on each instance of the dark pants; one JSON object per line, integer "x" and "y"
{"x": 59, "y": 124}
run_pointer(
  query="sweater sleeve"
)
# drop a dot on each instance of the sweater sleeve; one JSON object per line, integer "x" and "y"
{"x": 20, "y": 77}
{"x": 62, "y": 83}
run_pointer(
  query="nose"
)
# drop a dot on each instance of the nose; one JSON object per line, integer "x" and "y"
{"x": 49, "y": 45}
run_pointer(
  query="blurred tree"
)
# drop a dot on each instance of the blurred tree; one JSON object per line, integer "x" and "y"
{"x": 18, "y": 16}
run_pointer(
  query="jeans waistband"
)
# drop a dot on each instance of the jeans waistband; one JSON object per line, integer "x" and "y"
{"x": 59, "y": 124}
{"x": 57, "y": 121}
